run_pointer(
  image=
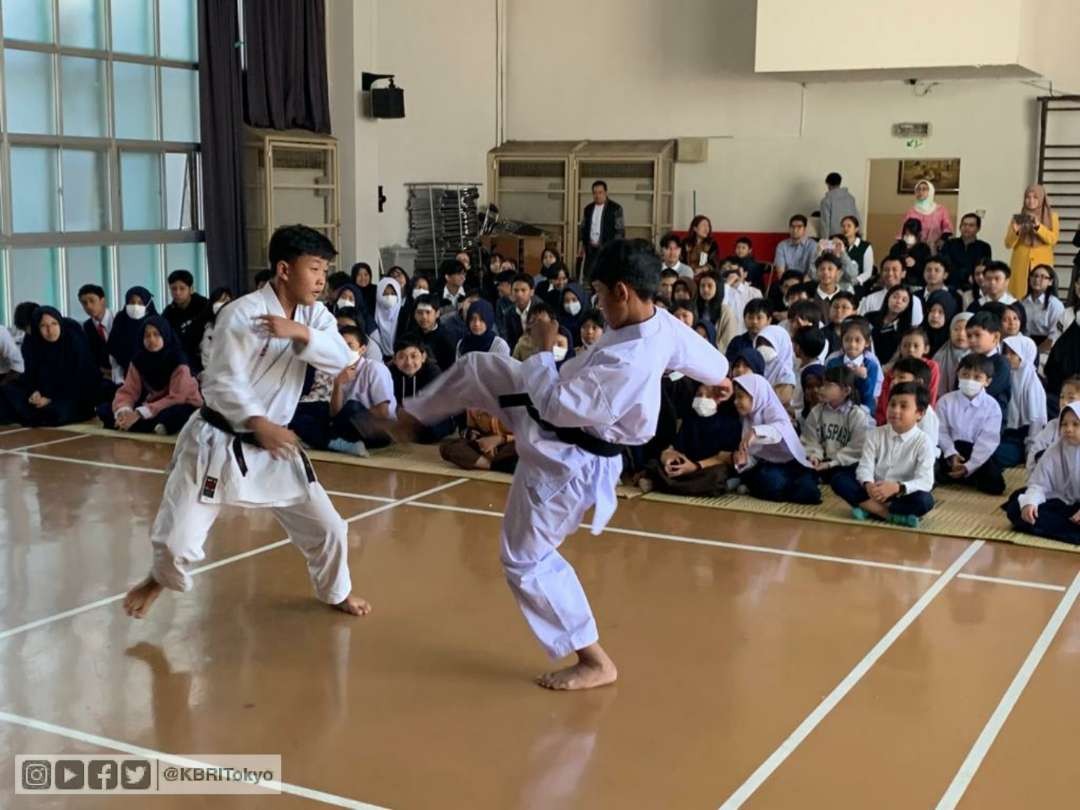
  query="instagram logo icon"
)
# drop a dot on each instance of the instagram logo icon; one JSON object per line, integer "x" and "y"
{"x": 36, "y": 774}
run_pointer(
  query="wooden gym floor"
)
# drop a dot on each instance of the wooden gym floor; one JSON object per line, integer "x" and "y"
{"x": 765, "y": 662}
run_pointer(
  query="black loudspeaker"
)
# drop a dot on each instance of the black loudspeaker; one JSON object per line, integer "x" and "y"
{"x": 387, "y": 102}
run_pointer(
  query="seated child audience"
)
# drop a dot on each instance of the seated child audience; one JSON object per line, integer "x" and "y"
{"x": 186, "y": 314}
{"x": 1042, "y": 305}
{"x": 362, "y": 388}
{"x": 941, "y": 308}
{"x": 913, "y": 345}
{"x": 857, "y": 356}
{"x": 388, "y": 303}
{"x": 889, "y": 324}
{"x": 895, "y": 474}
{"x": 487, "y": 444}
{"x": 770, "y": 459}
{"x": 841, "y": 308}
{"x": 59, "y": 383}
{"x": 738, "y": 291}
{"x": 984, "y": 337}
{"x": 592, "y": 328}
{"x": 1026, "y": 414}
{"x": 948, "y": 357}
{"x": 1070, "y": 392}
{"x": 811, "y": 349}
{"x": 411, "y": 372}
{"x": 573, "y": 301}
{"x": 970, "y": 429}
{"x": 439, "y": 344}
{"x": 1049, "y": 506}
{"x": 481, "y": 336}
{"x": 159, "y": 393}
{"x": 746, "y": 360}
{"x": 699, "y": 460}
{"x": 835, "y": 429}
{"x": 775, "y": 346}
{"x": 98, "y": 323}
{"x": 756, "y": 316}
{"x": 915, "y": 370}
{"x": 125, "y": 336}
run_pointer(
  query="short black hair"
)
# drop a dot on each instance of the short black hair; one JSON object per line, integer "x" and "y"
{"x": 427, "y": 299}
{"x": 918, "y": 330}
{"x": 827, "y": 258}
{"x": 667, "y": 272}
{"x": 182, "y": 276}
{"x": 842, "y": 375}
{"x": 833, "y": 179}
{"x": 810, "y": 340}
{"x": 338, "y": 280}
{"x": 449, "y": 267}
{"x": 981, "y": 363}
{"x": 943, "y": 260}
{"x": 920, "y": 392}
{"x": 999, "y": 267}
{"x": 409, "y": 341}
{"x": 807, "y": 309}
{"x": 600, "y": 183}
{"x": 263, "y": 277}
{"x": 802, "y": 288}
{"x": 915, "y": 366}
{"x": 540, "y": 308}
{"x": 290, "y": 242}
{"x": 745, "y": 240}
{"x": 974, "y": 216}
{"x": 854, "y": 219}
{"x": 843, "y": 295}
{"x": 912, "y": 225}
{"x": 668, "y": 238}
{"x": 757, "y": 306}
{"x": 91, "y": 289}
{"x": 858, "y": 323}
{"x": 594, "y": 315}
{"x": 347, "y": 312}
{"x": 631, "y": 261}
{"x": 895, "y": 259}
{"x": 797, "y": 218}
{"x": 23, "y": 312}
{"x": 505, "y": 277}
{"x": 985, "y": 319}
{"x": 525, "y": 278}
{"x": 355, "y": 331}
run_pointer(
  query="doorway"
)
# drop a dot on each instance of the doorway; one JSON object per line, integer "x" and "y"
{"x": 891, "y": 193}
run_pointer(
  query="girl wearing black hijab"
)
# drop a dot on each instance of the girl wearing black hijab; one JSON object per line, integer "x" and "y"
{"x": 941, "y": 307}
{"x": 61, "y": 377}
{"x": 159, "y": 393}
{"x": 573, "y": 303}
{"x": 125, "y": 339}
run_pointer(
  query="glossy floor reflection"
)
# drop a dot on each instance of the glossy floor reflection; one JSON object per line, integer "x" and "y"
{"x": 428, "y": 703}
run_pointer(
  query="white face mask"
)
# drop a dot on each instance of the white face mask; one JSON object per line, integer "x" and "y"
{"x": 970, "y": 388}
{"x": 768, "y": 353}
{"x": 216, "y": 306}
{"x": 135, "y": 311}
{"x": 704, "y": 407}
{"x": 675, "y": 376}
{"x": 572, "y": 307}
{"x": 354, "y": 357}
{"x": 387, "y": 301}
{"x": 418, "y": 291}
{"x": 559, "y": 352}
{"x": 910, "y": 240}
{"x": 345, "y": 303}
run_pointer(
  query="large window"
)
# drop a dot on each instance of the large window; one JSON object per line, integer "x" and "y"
{"x": 99, "y": 149}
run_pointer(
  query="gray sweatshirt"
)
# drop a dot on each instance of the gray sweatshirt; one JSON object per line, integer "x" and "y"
{"x": 835, "y": 436}
{"x": 835, "y": 205}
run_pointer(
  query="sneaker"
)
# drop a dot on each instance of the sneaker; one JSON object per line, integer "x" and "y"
{"x": 351, "y": 448}
{"x": 910, "y": 521}
{"x": 859, "y": 513}
{"x": 732, "y": 484}
{"x": 161, "y": 430}
{"x": 645, "y": 484}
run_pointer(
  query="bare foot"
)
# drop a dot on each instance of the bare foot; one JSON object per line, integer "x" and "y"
{"x": 594, "y": 668}
{"x": 139, "y": 599}
{"x": 354, "y": 606}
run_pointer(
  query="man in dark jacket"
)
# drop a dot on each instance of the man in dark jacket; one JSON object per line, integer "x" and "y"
{"x": 601, "y": 222}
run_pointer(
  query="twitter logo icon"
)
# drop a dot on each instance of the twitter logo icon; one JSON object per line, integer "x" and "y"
{"x": 135, "y": 775}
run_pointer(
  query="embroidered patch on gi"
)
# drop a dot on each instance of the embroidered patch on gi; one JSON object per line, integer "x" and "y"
{"x": 209, "y": 487}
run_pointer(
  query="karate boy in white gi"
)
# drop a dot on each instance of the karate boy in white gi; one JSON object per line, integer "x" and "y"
{"x": 237, "y": 451}
{"x": 570, "y": 426}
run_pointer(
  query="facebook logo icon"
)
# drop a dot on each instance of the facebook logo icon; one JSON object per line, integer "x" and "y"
{"x": 102, "y": 774}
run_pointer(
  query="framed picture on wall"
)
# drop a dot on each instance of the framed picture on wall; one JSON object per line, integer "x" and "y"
{"x": 944, "y": 173}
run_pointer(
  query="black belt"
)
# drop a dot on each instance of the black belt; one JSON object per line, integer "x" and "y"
{"x": 575, "y": 436}
{"x": 219, "y": 422}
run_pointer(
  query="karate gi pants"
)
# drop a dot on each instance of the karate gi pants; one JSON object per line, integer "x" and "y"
{"x": 183, "y": 521}
{"x": 544, "y": 584}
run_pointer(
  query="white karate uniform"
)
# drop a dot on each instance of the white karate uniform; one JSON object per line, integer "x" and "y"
{"x": 251, "y": 374}
{"x": 612, "y": 392}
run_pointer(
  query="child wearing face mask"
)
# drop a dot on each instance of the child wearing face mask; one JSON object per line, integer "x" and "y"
{"x": 856, "y": 355}
{"x": 387, "y": 311}
{"x": 835, "y": 429}
{"x": 1049, "y": 506}
{"x": 125, "y": 339}
{"x": 970, "y": 429}
{"x": 699, "y": 460}
{"x": 363, "y": 387}
{"x": 572, "y": 303}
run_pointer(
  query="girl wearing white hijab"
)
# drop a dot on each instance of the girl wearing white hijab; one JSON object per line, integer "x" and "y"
{"x": 1050, "y": 504}
{"x": 1026, "y": 414}
{"x": 774, "y": 344}
{"x": 948, "y": 357}
{"x": 387, "y": 309}
{"x": 933, "y": 216}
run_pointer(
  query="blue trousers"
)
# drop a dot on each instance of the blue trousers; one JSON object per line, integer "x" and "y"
{"x": 1053, "y": 521}
{"x": 790, "y": 482}
{"x": 847, "y": 487}
{"x": 1012, "y": 452}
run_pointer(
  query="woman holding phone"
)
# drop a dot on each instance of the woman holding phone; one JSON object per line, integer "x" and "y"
{"x": 1031, "y": 236}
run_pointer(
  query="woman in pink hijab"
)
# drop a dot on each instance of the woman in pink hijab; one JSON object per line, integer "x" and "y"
{"x": 933, "y": 216}
{"x": 1031, "y": 236}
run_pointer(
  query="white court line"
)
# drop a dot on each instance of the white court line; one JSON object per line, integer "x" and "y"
{"x": 633, "y": 532}
{"x": 181, "y": 762}
{"x": 9, "y": 431}
{"x": 993, "y": 726}
{"x": 46, "y": 444}
{"x": 202, "y": 569}
{"x": 788, "y": 746}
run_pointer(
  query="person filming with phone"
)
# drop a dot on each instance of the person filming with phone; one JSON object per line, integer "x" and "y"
{"x": 1031, "y": 236}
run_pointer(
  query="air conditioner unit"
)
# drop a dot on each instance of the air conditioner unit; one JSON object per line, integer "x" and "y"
{"x": 911, "y": 129}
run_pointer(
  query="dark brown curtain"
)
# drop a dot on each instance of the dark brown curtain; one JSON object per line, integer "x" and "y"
{"x": 285, "y": 82}
{"x": 220, "y": 106}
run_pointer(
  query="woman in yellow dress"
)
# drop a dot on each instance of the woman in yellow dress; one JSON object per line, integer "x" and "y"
{"x": 1031, "y": 236}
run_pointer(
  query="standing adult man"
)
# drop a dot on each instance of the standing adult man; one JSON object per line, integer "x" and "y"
{"x": 601, "y": 222}
{"x": 837, "y": 203}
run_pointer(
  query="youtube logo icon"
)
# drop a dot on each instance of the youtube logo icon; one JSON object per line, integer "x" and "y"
{"x": 69, "y": 774}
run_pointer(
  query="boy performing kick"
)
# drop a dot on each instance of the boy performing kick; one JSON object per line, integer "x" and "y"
{"x": 570, "y": 427}
{"x": 235, "y": 450}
